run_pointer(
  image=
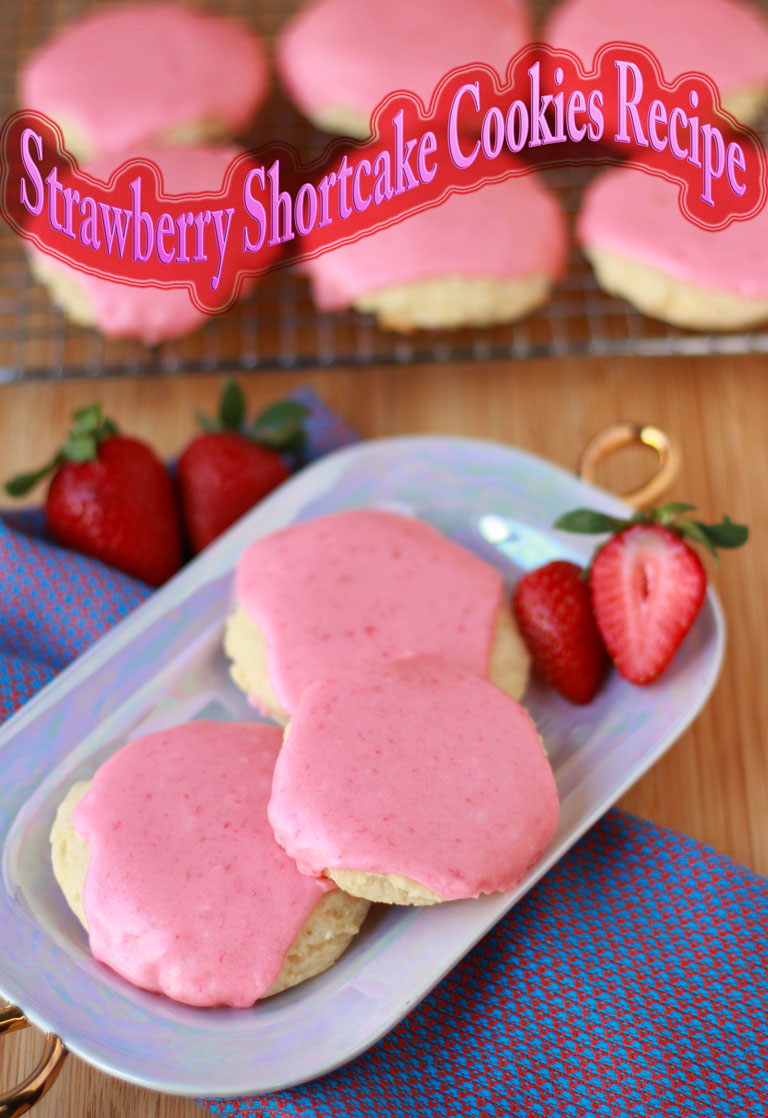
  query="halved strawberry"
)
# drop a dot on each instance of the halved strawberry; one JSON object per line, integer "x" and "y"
{"x": 553, "y": 608}
{"x": 647, "y": 584}
{"x": 647, "y": 588}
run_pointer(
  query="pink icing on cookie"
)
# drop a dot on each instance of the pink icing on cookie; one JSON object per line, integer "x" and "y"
{"x": 505, "y": 231}
{"x": 187, "y": 893}
{"x": 724, "y": 39}
{"x": 414, "y": 768}
{"x": 634, "y": 214}
{"x": 365, "y": 585}
{"x": 150, "y": 313}
{"x": 132, "y": 74}
{"x": 352, "y": 53}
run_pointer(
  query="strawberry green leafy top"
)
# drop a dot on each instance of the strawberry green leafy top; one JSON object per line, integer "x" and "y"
{"x": 672, "y": 515}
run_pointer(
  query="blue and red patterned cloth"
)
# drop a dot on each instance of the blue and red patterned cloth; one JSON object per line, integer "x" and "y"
{"x": 632, "y": 982}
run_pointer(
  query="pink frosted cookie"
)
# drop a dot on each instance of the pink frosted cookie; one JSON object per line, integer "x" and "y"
{"x": 413, "y": 782}
{"x": 725, "y": 39}
{"x": 169, "y": 860}
{"x": 644, "y": 249}
{"x": 146, "y": 73}
{"x": 327, "y": 594}
{"x": 149, "y": 313}
{"x": 339, "y": 58}
{"x": 476, "y": 259}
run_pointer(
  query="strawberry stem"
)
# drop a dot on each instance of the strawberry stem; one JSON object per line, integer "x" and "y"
{"x": 22, "y": 484}
{"x": 232, "y": 406}
{"x": 280, "y": 426}
{"x": 672, "y": 515}
{"x": 88, "y": 429}
{"x": 588, "y": 521}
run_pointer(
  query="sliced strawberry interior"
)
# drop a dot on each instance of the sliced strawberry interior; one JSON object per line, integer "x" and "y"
{"x": 647, "y": 588}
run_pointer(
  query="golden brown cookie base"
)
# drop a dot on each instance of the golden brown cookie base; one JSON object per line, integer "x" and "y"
{"x": 663, "y": 296}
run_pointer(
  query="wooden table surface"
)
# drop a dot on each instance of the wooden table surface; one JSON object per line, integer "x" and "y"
{"x": 714, "y": 783}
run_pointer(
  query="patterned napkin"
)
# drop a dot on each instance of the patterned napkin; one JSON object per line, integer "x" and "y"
{"x": 630, "y": 983}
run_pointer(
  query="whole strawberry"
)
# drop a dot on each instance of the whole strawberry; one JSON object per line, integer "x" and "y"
{"x": 231, "y": 467}
{"x": 553, "y": 608}
{"x": 111, "y": 497}
{"x": 647, "y": 584}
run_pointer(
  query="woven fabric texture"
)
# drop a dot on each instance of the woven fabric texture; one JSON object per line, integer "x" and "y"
{"x": 630, "y": 983}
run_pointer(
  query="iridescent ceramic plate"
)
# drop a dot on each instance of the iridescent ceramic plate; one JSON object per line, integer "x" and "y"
{"x": 164, "y": 664}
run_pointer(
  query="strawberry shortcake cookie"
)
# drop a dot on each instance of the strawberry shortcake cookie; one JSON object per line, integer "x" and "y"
{"x": 413, "y": 782}
{"x": 364, "y": 585}
{"x": 169, "y": 861}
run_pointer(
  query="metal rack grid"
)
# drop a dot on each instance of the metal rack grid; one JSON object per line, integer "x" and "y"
{"x": 278, "y": 326}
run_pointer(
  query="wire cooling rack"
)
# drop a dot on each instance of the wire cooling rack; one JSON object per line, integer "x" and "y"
{"x": 278, "y": 326}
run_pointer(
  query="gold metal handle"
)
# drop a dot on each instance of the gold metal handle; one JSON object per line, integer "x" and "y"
{"x": 22, "y": 1098}
{"x": 619, "y": 435}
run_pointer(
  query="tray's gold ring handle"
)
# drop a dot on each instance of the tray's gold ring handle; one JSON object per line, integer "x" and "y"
{"x": 22, "y": 1098}
{"x": 619, "y": 435}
